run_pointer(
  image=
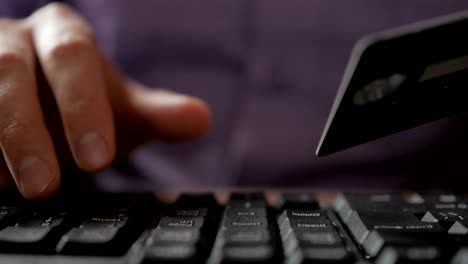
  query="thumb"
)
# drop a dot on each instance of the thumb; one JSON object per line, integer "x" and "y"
{"x": 142, "y": 114}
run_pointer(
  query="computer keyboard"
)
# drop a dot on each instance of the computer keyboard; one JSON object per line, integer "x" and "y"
{"x": 247, "y": 227}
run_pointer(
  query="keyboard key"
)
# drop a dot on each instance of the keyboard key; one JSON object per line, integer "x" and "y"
{"x": 245, "y": 212}
{"x": 444, "y": 217}
{"x": 300, "y": 215}
{"x": 186, "y": 236}
{"x": 243, "y": 223}
{"x": 308, "y": 236}
{"x": 245, "y": 234}
{"x": 432, "y": 198}
{"x": 309, "y": 239}
{"x": 316, "y": 226}
{"x": 321, "y": 255}
{"x": 247, "y": 200}
{"x": 246, "y": 237}
{"x": 21, "y": 235}
{"x": 249, "y": 254}
{"x": 33, "y": 232}
{"x": 378, "y": 239}
{"x": 461, "y": 256}
{"x": 105, "y": 222}
{"x": 362, "y": 223}
{"x": 89, "y": 241}
{"x": 181, "y": 222}
{"x": 304, "y": 214}
{"x": 246, "y": 204}
{"x": 306, "y": 201}
{"x": 92, "y": 235}
{"x": 406, "y": 255}
{"x": 110, "y": 231}
{"x": 188, "y": 212}
{"x": 6, "y": 212}
{"x": 186, "y": 231}
{"x": 458, "y": 229}
{"x": 347, "y": 202}
{"x": 176, "y": 253}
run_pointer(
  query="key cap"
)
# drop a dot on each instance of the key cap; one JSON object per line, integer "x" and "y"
{"x": 431, "y": 198}
{"x": 306, "y": 201}
{"x": 187, "y": 212}
{"x": 311, "y": 239}
{"x": 300, "y": 215}
{"x": 410, "y": 255}
{"x": 110, "y": 232}
{"x": 441, "y": 201}
{"x": 245, "y": 233}
{"x": 244, "y": 237}
{"x": 246, "y": 223}
{"x": 444, "y": 216}
{"x": 84, "y": 240}
{"x": 181, "y": 222}
{"x": 308, "y": 236}
{"x": 185, "y": 236}
{"x": 315, "y": 226}
{"x": 458, "y": 229}
{"x": 378, "y": 239}
{"x": 171, "y": 253}
{"x": 321, "y": 255}
{"x": 173, "y": 245}
{"x": 185, "y": 233}
{"x": 247, "y": 200}
{"x": 245, "y": 212}
{"x": 461, "y": 256}
{"x": 33, "y": 232}
{"x": 248, "y": 254}
{"x": 362, "y": 223}
{"x": 6, "y": 212}
{"x": 298, "y": 233}
{"x": 345, "y": 203}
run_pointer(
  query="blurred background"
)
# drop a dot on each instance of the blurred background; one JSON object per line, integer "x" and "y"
{"x": 269, "y": 69}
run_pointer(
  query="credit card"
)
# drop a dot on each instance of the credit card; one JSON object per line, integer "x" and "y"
{"x": 399, "y": 79}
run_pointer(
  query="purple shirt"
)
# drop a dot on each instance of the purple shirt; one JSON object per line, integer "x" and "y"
{"x": 270, "y": 70}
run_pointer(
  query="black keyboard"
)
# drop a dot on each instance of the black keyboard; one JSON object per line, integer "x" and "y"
{"x": 382, "y": 228}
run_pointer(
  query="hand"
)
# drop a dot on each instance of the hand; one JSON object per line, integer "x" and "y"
{"x": 62, "y": 103}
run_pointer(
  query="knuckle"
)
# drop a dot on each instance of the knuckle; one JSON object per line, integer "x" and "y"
{"x": 6, "y": 23}
{"x": 11, "y": 60}
{"x": 58, "y": 9}
{"x": 70, "y": 46}
{"x": 77, "y": 105}
{"x": 11, "y": 131}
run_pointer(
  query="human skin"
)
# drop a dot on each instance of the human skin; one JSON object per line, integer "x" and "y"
{"x": 62, "y": 103}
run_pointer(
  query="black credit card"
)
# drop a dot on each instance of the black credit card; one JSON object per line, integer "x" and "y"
{"x": 399, "y": 79}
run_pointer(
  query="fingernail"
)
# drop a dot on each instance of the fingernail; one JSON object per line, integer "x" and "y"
{"x": 169, "y": 99}
{"x": 34, "y": 176}
{"x": 92, "y": 150}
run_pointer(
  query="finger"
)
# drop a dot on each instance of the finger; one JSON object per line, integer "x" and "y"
{"x": 25, "y": 142}
{"x": 6, "y": 181}
{"x": 172, "y": 116}
{"x": 72, "y": 66}
{"x": 154, "y": 113}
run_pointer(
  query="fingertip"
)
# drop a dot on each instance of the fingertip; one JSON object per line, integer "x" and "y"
{"x": 175, "y": 117}
{"x": 94, "y": 152}
{"x": 38, "y": 179}
{"x": 193, "y": 117}
{"x": 48, "y": 192}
